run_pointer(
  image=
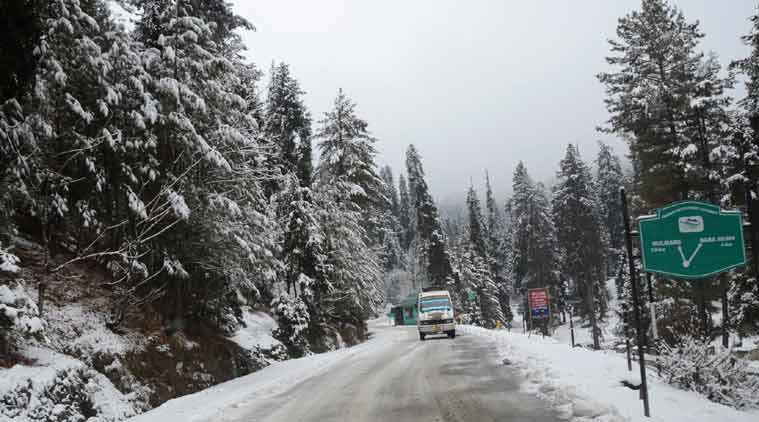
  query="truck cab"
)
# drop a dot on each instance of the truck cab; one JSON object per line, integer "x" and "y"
{"x": 435, "y": 314}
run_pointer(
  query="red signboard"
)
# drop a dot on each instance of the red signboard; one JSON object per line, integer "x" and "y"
{"x": 539, "y": 303}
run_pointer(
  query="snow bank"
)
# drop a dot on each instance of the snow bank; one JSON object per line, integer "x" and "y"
{"x": 59, "y": 388}
{"x": 235, "y": 397}
{"x": 257, "y": 332}
{"x": 585, "y": 383}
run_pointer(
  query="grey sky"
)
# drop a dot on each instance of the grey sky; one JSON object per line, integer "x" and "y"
{"x": 473, "y": 84}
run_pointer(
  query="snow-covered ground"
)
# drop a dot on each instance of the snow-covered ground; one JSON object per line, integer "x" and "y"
{"x": 221, "y": 401}
{"x": 591, "y": 380}
{"x": 55, "y": 388}
{"x": 257, "y": 331}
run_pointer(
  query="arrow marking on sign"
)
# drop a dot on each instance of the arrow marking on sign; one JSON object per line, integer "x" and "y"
{"x": 686, "y": 262}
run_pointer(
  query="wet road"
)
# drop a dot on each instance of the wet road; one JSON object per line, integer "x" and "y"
{"x": 438, "y": 380}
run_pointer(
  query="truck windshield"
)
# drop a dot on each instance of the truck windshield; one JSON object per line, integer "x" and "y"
{"x": 434, "y": 303}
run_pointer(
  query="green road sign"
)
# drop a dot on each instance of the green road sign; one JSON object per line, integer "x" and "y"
{"x": 472, "y": 295}
{"x": 692, "y": 239}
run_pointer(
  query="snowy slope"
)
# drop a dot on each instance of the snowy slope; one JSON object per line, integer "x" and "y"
{"x": 58, "y": 387}
{"x": 584, "y": 383}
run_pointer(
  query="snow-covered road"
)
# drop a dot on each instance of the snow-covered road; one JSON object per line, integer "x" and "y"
{"x": 392, "y": 377}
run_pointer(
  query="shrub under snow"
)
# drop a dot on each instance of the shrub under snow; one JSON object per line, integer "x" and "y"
{"x": 714, "y": 372}
{"x": 18, "y": 313}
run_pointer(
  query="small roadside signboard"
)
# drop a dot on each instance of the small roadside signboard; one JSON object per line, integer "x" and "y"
{"x": 539, "y": 303}
{"x": 472, "y": 295}
{"x": 691, "y": 239}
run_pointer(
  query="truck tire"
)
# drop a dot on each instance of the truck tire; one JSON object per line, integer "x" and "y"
{"x": 421, "y": 336}
{"x": 452, "y": 334}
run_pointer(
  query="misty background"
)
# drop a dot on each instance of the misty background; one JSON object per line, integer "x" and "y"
{"x": 474, "y": 85}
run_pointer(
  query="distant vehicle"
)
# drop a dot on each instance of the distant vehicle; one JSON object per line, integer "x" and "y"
{"x": 436, "y": 314}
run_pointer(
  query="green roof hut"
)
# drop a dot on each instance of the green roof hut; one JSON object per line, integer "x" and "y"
{"x": 405, "y": 313}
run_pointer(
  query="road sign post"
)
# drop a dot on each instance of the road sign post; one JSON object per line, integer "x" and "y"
{"x": 636, "y": 305}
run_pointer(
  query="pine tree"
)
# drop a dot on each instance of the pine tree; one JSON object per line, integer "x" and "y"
{"x": 739, "y": 159}
{"x": 577, "y": 222}
{"x": 520, "y": 216}
{"x": 477, "y": 258}
{"x": 391, "y": 254}
{"x": 476, "y": 224}
{"x": 609, "y": 179}
{"x": 497, "y": 247}
{"x": 347, "y": 154}
{"x": 430, "y": 238}
{"x": 533, "y": 238}
{"x": 287, "y": 126}
{"x": 667, "y": 98}
{"x": 352, "y": 197}
{"x": 404, "y": 214}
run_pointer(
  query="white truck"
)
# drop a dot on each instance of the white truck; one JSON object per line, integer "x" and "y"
{"x": 435, "y": 314}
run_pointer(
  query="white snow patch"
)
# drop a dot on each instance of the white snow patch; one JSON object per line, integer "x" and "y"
{"x": 582, "y": 383}
{"x": 257, "y": 332}
{"x": 31, "y": 392}
{"x": 122, "y": 16}
{"x": 83, "y": 332}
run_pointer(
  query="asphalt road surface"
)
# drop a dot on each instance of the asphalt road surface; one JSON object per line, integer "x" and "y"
{"x": 437, "y": 380}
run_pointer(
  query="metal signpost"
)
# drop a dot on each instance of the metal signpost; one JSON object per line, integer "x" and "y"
{"x": 687, "y": 239}
{"x": 571, "y": 303}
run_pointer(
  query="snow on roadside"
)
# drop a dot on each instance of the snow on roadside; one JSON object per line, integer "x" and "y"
{"x": 585, "y": 383}
{"x": 224, "y": 401}
{"x": 257, "y": 332}
{"x": 58, "y": 387}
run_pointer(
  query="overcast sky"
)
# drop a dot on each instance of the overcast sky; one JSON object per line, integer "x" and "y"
{"x": 474, "y": 85}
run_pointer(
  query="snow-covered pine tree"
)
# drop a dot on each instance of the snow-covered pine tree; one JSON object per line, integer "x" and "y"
{"x": 404, "y": 213}
{"x": 430, "y": 239}
{"x": 668, "y": 100}
{"x": 347, "y": 153}
{"x": 534, "y": 237}
{"x": 738, "y": 157}
{"x": 201, "y": 204}
{"x": 523, "y": 193}
{"x": 391, "y": 253}
{"x": 609, "y": 178}
{"x": 655, "y": 98}
{"x": 580, "y": 239}
{"x": 498, "y": 250}
{"x": 477, "y": 258}
{"x": 391, "y": 191}
{"x": 351, "y": 194}
{"x": 287, "y": 127}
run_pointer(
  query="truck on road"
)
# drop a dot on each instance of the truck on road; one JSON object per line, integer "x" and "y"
{"x": 436, "y": 314}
